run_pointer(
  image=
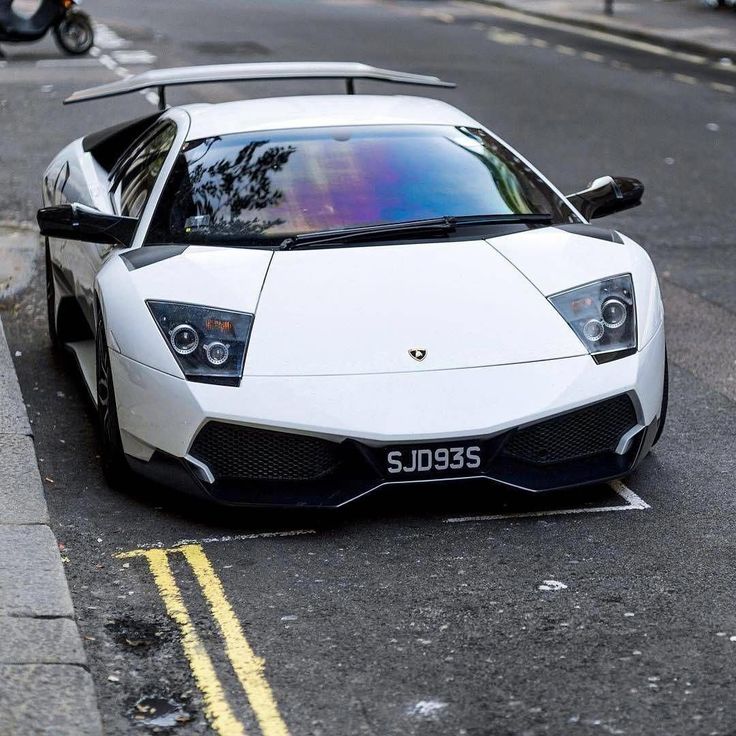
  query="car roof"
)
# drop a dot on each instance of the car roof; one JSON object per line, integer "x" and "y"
{"x": 317, "y": 111}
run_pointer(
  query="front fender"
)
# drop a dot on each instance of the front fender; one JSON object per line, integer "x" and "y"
{"x": 555, "y": 260}
{"x": 222, "y": 278}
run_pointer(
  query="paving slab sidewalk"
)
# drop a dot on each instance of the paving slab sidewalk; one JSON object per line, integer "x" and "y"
{"x": 45, "y": 686}
{"x": 683, "y": 25}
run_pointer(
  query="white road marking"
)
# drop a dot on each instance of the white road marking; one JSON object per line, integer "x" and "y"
{"x": 628, "y": 495}
{"x": 108, "y": 62}
{"x": 552, "y": 585}
{"x": 611, "y": 38}
{"x": 634, "y": 503}
{"x": 109, "y": 39}
{"x": 140, "y": 56}
{"x": 502, "y": 36}
{"x": 228, "y": 538}
{"x": 535, "y": 514}
{"x": 439, "y": 15}
{"x": 106, "y": 38}
{"x": 684, "y": 78}
{"x": 590, "y": 56}
{"x": 507, "y": 38}
{"x": 66, "y": 62}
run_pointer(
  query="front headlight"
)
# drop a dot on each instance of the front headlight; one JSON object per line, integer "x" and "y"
{"x": 602, "y": 315}
{"x": 209, "y": 344}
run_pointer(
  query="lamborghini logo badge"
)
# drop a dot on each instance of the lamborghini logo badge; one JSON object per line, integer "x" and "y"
{"x": 419, "y": 354}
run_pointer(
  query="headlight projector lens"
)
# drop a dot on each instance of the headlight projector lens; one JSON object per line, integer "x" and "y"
{"x": 208, "y": 343}
{"x": 603, "y": 316}
{"x": 217, "y": 352}
{"x": 593, "y": 330}
{"x": 184, "y": 339}
{"x": 614, "y": 313}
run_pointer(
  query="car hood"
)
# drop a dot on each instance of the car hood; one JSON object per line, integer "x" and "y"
{"x": 363, "y": 309}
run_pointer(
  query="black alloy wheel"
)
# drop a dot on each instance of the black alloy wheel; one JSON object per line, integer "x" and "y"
{"x": 114, "y": 465}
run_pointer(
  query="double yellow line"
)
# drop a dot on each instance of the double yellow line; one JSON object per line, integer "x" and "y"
{"x": 247, "y": 666}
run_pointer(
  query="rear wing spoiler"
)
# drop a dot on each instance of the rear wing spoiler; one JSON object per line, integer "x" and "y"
{"x": 160, "y": 79}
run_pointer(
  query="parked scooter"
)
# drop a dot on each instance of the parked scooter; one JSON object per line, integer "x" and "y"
{"x": 72, "y": 27}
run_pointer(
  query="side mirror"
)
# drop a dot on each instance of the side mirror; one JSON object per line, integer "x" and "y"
{"x": 79, "y": 222}
{"x": 606, "y": 195}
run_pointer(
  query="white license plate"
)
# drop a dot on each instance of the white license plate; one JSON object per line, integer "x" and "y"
{"x": 440, "y": 460}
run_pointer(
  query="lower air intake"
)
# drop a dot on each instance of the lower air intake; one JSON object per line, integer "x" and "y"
{"x": 578, "y": 434}
{"x": 246, "y": 453}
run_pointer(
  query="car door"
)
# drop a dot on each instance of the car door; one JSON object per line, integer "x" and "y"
{"x": 129, "y": 187}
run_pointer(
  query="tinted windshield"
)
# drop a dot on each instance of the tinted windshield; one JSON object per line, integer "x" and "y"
{"x": 259, "y": 188}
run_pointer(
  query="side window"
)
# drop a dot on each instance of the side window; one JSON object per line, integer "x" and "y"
{"x": 138, "y": 173}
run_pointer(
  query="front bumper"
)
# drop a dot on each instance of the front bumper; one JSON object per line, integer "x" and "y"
{"x": 163, "y": 419}
{"x": 523, "y": 458}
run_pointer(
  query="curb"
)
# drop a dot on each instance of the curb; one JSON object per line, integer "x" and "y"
{"x": 621, "y": 29}
{"x": 45, "y": 685}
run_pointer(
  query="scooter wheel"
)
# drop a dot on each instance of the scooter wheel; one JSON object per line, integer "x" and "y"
{"x": 74, "y": 34}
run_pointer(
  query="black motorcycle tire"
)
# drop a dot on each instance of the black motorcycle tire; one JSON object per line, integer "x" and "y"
{"x": 74, "y": 34}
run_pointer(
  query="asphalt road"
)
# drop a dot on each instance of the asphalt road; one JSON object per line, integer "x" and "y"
{"x": 391, "y": 618}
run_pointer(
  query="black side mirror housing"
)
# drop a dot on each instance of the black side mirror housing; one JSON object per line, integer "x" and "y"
{"x": 606, "y": 195}
{"x": 80, "y": 222}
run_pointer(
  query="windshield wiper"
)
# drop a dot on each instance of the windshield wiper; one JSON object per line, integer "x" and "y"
{"x": 411, "y": 228}
{"x": 388, "y": 231}
{"x": 531, "y": 218}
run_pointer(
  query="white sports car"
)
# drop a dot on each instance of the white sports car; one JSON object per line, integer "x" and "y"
{"x": 298, "y": 300}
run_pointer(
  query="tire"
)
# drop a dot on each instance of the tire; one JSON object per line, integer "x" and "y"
{"x": 51, "y": 302}
{"x": 114, "y": 465}
{"x": 74, "y": 35}
{"x": 665, "y": 401}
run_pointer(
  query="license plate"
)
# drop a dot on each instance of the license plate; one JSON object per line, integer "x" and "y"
{"x": 433, "y": 460}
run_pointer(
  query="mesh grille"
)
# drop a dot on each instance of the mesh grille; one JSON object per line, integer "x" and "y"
{"x": 235, "y": 452}
{"x": 580, "y": 433}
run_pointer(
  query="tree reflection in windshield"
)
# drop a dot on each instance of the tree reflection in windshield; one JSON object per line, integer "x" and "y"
{"x": 217, "y": 195}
